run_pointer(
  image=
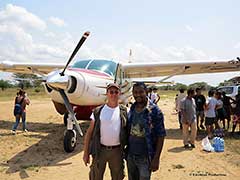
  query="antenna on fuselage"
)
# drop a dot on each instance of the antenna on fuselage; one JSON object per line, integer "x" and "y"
{"x": 130, "y": 56}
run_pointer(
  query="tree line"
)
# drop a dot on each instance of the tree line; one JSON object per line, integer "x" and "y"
{"x": 30, "y": 81}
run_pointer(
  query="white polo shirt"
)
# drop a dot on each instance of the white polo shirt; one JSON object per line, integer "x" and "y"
{"x": 110, "y": 125}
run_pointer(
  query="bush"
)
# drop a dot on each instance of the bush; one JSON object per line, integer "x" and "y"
{"x": 37, "y": 90}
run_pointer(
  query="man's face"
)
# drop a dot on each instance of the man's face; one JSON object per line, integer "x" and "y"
{"x": 199, "y": 92}
{"x": 139, "y": 94}
{"x": 192, "y": 94}
{"x": 113, "y": 94}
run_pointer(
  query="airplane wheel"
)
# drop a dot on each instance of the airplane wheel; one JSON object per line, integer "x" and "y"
{"x": 69, "y": 141}
{"x": 65, "y": 118}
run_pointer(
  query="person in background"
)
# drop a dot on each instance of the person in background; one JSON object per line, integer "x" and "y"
{"x": 236, "y": 114}
{"x": 200, "y": 101}
{"x": 188, "y": 118}
{"x": 210, "y": 114}
{"x": 227, "y": 107}
{"x": 23, "y": 100}
{"x": 107, "y": 135}
{"x": 220, "y": 112}
{"x": 146, "y": 134}
{"x": 155, "y": 96}
{"x": 149, "y": 92}
{"x": 178, "y": 99}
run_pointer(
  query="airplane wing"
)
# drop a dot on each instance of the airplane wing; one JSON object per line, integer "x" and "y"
{"x": 29, "y": 68}
{"x": 144, "y": 70}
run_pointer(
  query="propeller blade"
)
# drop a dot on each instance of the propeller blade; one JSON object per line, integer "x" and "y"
{"x": 80, "y": 43}
{"x": 70, "y": 110}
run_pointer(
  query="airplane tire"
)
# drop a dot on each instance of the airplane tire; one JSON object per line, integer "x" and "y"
{"x": 65, "y": 118}
{"x": 69, "y": 141}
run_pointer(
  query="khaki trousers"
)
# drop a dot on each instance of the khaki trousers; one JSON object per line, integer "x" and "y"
{"x": 115, "y": 162}
{"x": 185, "y": 131}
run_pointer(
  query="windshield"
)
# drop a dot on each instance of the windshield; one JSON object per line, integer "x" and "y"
{"x": 81, "y": 64}
{"x": 106, "y": 66}
{"x": 227, "y": 89}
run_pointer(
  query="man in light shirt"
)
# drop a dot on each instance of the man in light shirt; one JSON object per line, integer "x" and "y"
{"x": 178, "y": 99}
{"x": 188, "y": 119}
{"x": 210, "y": 113}
{"x": 107, "y": 135}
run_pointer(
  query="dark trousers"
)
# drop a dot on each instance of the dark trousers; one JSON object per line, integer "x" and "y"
{"x": 138, "y": 167}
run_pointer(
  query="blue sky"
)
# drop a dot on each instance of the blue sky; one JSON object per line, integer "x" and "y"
{"x": 155, "y": 30}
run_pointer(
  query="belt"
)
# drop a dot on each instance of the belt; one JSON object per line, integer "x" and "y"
{"x": 109, "y": 147}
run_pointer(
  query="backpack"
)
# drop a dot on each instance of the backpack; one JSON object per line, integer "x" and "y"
{"x": 18, "y": 107}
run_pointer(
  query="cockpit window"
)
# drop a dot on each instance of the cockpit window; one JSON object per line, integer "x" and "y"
{"x": 81, "y": 64}
{"x": 106, "y": 66}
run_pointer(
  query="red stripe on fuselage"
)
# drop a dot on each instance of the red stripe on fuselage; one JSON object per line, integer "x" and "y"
{"x": 92, "y": 72}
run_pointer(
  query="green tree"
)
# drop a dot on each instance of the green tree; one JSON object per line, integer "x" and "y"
{"x": 5, "y": 84}
{"x": 203, "y": 85}
{"x": 27, "y": 80}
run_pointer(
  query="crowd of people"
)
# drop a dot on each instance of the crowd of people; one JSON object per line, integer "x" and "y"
{"x": 197, "y": 112}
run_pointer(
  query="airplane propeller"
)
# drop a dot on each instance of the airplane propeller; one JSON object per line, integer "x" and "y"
{"x": 80, "y": 43}
{"x": 59, "y": 82}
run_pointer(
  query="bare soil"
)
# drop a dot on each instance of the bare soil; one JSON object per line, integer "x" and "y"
{"x": 39, "y": 153}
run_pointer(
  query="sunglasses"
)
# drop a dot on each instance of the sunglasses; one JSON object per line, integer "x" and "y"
{"x": 114, "y": 92}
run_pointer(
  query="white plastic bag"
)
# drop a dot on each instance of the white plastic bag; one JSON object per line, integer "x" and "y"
{"x": 207, "y": 145}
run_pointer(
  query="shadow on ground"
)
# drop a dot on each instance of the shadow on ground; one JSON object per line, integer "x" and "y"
{"x": 46, "y": 152}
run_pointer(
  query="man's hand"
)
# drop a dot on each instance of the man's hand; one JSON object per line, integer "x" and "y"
{"x": 154, "y": 166}
{"x": 86, "y": 159}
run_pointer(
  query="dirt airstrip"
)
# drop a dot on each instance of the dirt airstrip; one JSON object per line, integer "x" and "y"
{"x": 39, "y": 153}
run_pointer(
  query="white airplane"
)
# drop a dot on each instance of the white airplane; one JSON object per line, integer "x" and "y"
{"x": 77, "y": 89}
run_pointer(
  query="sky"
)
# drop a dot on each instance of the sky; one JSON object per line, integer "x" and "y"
{"x": 155, "y": 30}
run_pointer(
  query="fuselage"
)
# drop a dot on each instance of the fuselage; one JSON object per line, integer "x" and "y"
{"x": 85, "y": 83}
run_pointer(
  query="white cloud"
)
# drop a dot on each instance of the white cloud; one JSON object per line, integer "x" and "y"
{"x": 20, "y": 16}
{"x": 57, "y": 21}
{"x": 185, "y": 54}
{"x": 237, "y": 46}
{"x": 189, "y": 28}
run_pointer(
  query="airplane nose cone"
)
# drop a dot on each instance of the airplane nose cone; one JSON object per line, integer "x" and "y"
{"x": 56, "y": 81}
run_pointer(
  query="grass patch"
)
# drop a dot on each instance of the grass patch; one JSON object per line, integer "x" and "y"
{"x": 2, "y": 169}
{"x": 30, "y": 167}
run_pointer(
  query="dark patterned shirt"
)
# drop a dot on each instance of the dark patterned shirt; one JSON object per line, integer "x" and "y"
{"x": 153, "y": 122}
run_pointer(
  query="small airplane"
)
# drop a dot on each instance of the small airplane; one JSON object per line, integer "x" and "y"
{"x": 77, "y": 89}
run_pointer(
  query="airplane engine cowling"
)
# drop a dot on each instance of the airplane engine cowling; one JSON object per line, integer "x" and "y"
{"x": 72, "y": 84}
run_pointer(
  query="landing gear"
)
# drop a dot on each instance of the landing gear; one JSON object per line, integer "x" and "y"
{"x": 70, "y": 140}
{"x": 65, "y": 117}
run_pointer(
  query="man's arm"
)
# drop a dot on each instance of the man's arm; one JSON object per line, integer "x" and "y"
{"x": 156, "y": 160}
{"x": 87, "y": 139}
{"x": 160, "y": 131}
{"x": 158, "y": 98}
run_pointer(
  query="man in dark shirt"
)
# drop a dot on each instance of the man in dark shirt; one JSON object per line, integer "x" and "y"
{"x": 200, "y": 101}
{"x": 227, "y": 107}
{"x": 146, "y": 134}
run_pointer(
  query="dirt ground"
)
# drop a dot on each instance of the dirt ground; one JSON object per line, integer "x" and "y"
{"x": 39, "y": 153}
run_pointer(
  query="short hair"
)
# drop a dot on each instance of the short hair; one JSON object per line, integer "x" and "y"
{"x": 218, "y": 93}
{"x": 21, "y": 92}
{"x": 198, "y": 89}
{"x": 181, "y": 90}
{"x": 140, "y": 84}
{"x": 210, "y": 93}
{"x": 190, "y": 91}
